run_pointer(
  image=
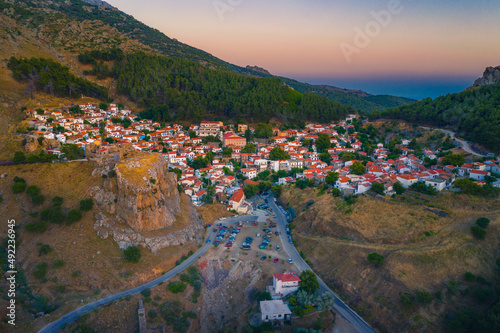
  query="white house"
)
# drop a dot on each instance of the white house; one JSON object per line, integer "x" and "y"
{"x": 438, "y": 184}
{"x": 274, "y": 310}
{"x": 407, "y": 180}
{"x": 249, "y": 173}
{"x": 284, "y": 284}
{"x": 478, "y": 174}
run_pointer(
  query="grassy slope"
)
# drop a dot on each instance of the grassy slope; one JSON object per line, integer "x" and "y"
{"x": 338, "y": 244}
{"x": 77, "y": 244}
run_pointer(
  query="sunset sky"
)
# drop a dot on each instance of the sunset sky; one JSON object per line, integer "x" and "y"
{"x": 426, "y": 48}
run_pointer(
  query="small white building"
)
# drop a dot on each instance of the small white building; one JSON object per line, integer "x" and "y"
{"x": 274, "y": 310}
{"x": 478, "y": 174}
{"x": 407, "y": 180}
{"x": 285, "y": 283}
{"x": 438, "y": 183}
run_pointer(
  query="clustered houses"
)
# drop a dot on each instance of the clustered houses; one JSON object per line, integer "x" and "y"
{"x": 178, "y": 148}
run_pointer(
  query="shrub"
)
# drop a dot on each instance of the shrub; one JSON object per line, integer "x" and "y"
{"x": 483, "y": 222}
{"x": 399, "y": 188}
{"x": 74, "y": 215}
{"x": 133, "y": 254}
{"x": 86, "y": 204}
{"x": 483, "y": 295}
{"x": 478, "y": 232}
{"x": 57, "y": 201}
{"x": 32, "y": 190}
{"x": 40, "y": 270}
{"x": 146, "y": 292}
{"x": 60, "y": 288}
{"x": 308, "y": 282}
{"x": 407, "y": 299}
{"x": 38, "y": 199}
{"x": 56, "y": 216}
{"x": 45, "y": 214}
{"x": 19, "y": 180}
{"x": 44, "y": 249}
{"x": 469, "y": 277}
{"x": 36, "y": 227}
{"x": 18, "y": 187}
{"x": 152, "y": 313}
{"x": 423, "y": 297}
{"x": 58, "y": 263}
{"x": 376, "y": 259}
{"x": 177, "y": 287}
{"x": 19, "y": 157}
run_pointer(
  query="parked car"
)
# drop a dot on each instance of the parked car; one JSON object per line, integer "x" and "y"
{"x": 208, "y": 241}
{"x": 254, "y": 222}
{"x": 262, "y": 247}
{"x": 266, "y": 230}
{"x": 277, "y": 233}
{"x": 263, "y": 258}
{"x": 290, "y": 261}
{"x": 276, "y": 260}
{"x": 278, "y": 248}
{"x": 229, "y": 244}
{"x": 209, "y": 225}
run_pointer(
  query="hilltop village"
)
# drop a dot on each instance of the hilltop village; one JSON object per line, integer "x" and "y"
{"x": 230, "y": 163}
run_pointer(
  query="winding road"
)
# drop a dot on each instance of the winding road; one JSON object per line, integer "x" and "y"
{"x": 352, "y": 317}
{"x": 465, "y": 145}
{"x": 343, "y": 309}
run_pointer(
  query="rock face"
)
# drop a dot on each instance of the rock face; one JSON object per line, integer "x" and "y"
{"x": 490, "y": 76}
{"x": 141, "y": 205}
{"x": 147, "y": 196}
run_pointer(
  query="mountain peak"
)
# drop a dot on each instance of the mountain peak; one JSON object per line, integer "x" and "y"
{"x": 258, "y": 69}
{"x": 491, "y": 75}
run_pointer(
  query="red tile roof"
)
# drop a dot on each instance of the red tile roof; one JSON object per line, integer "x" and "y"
{"x": 286, "y": 277}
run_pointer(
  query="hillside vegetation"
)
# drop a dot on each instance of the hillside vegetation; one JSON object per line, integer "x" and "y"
{"x": 79, "y": 265}
{"x": 44, "y": 15}
{"x": 474, "y": 113}
{"x": 427, "y": 245}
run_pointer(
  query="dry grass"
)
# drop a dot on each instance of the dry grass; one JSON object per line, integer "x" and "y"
{"x": 210, "y": 213}
{"x": 338, "y": 244}
{"x": 135, "y": 168}
{"x": 100, "y": 262}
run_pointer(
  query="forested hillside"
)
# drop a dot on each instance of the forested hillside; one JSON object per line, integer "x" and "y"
{"x": 368, "y": 103}
{"x": 36, "y": 12}
{"x": 474, "y": 113}
{"x": 53, "y": 78}
{"x": 191, "y": 91}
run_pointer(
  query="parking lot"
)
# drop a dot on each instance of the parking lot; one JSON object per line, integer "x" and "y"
{"x": 250, "y": 240}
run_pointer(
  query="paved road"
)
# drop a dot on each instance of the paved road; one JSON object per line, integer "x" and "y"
{"x": 465, "y": 145}
{"x": 345, "y": 311}
{"x": 72, "y": 316}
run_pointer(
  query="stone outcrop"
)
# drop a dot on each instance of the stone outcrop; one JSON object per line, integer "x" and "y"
{"x": 139, "y": 204}
{"x": 147, "y": 197}
{"x": 491, "y": 75}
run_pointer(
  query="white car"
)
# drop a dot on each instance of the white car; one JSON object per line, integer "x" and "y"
{"x": 290, "y": 261}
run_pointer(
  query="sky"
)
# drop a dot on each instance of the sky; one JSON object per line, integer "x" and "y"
{"x": 408, "y": 48}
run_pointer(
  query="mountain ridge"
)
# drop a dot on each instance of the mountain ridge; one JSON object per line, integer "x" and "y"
{"x": 87, "y": 10}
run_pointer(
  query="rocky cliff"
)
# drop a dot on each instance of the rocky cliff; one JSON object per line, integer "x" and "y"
{"x": 139, "y": 203}
{"x": 147, "y": 196}
{"x": 491, "y": 75}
